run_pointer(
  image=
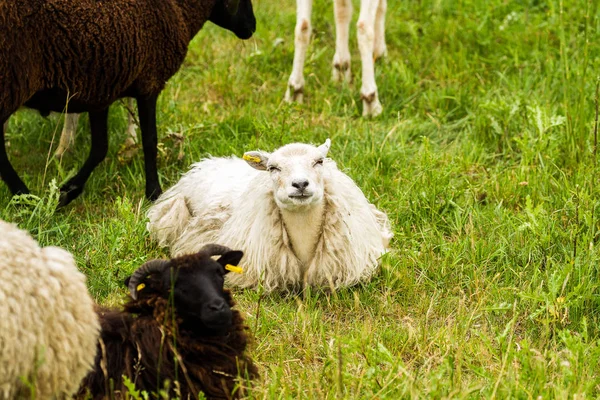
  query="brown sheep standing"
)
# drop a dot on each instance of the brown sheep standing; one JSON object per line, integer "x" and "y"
{"x": 177, "y": 326}
{"x": 88, "y": 53}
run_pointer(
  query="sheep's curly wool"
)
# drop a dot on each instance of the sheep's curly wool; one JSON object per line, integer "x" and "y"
{"x": 48, "y": 327}
{"x": 223, "y": 200}
{"x": 75, "y": 47}
{"x": 81, "y": 56}
{"x": 130, "y": 344}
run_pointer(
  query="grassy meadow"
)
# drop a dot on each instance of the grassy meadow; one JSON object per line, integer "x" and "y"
{"x": 484, "y": 160}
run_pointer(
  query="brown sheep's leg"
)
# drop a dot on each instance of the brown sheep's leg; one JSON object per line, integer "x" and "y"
{"x": 99, "y": 127}
{"x": 7, "y": 172}
{"x": 147, "y": 114}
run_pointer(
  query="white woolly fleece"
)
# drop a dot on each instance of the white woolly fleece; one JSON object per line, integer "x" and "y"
{"x": 48, "y": 326}
{"x": 225, "y": 201}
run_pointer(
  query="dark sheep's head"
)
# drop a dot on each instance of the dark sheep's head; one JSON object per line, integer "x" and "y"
{"x": 196, "y": 283}
{"x": 234, "y": 15}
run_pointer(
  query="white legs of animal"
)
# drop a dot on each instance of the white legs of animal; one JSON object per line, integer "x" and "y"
{"x": 295, "y": 89}
{"x": 370, "y": 31}
{"x": 371, "y": 44}
{"x": 67, "y": 137}
{"x": 342, "y": 11}
{"x": 380, "y": 49}
{"x": 131, "y": 126}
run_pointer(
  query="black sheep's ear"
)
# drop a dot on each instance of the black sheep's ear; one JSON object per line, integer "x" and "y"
{"x": 144, "y": 278}
{"x": 143, "y": 287}
{"x": 231, "y": 258}
{"x": 152, "y": 284}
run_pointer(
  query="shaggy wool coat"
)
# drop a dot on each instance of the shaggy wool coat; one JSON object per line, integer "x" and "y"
{"x": 48, "y": 327}
{"x": 146, "y": 344}
{"x": 224, "y": 200}
{"x": 76, "y": 47}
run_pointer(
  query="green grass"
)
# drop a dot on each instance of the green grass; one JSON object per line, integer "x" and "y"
{"x": 483, "y": 160}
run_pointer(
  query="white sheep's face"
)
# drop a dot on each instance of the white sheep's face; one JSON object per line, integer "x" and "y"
{"x": 296, "y": 171}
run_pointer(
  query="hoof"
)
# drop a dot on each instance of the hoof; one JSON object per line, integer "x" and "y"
{"x": 60, "y": 151}
{"x": 19, "y": 190}
{"x": 130, "y": 142}
{"x": 153, "y": 194}
{"x": 68, "y": 193}
{"x": 371, "y": 105}
{"x": 63, "y": 200}
{"x": 294, "y": 94}
{"x": 341, "y": 72}
{"x": 380, "y": 51}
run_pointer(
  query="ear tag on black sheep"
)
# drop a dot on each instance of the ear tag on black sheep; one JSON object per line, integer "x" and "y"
{"x": 233, "y": 268}
{"x": 140, "y": 287}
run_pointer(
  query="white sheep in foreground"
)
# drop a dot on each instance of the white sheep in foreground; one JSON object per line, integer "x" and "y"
{"x": 371, "y": 45}
{"x": 301, "y": 222}
{"x": 48, "y": 326}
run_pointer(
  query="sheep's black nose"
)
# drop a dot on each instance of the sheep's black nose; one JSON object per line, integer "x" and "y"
{"x": 217, "y": 306}
{"x": 300, "y": 184}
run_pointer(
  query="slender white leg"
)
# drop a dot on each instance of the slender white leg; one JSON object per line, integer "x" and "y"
{"x": 67, "y": 137}
{"x": 380, "y": 49}
{"x": 131, "y": 126}
{"x": 342, "y": 11}
{"x": 303, "y": 30}
{"x": 366, "y": 38}
{"x": 5, "y": 127}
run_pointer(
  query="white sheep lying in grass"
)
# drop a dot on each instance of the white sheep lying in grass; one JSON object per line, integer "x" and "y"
{"x": 48, "y": 326}
{"x": 301, "y": 222}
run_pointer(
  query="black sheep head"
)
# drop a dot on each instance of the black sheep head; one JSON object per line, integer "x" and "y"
{"x": 195, "y": 284}
{"x": 234, "y": 15}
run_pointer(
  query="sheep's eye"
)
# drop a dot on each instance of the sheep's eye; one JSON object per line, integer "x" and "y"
{"x": 272, "y": 168}
{"x": 318, "y": 162}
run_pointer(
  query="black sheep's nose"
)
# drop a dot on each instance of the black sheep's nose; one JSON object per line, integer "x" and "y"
{"x": 300, "y": 184}
{"x": 217, "y": 306}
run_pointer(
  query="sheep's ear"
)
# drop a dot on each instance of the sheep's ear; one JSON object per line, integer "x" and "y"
{"x": 147, "y": 283}
{"x": 145, "y": 287}
{"x": 231, "y": 259}
{"x": 324, "y": 148}
{"x": 257, "y": 159}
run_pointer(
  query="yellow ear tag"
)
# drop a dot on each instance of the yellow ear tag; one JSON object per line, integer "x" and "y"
{"x": 233, "y": 268}
{"x": 248, "y": 157}
{"x": 140, "y": 286}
